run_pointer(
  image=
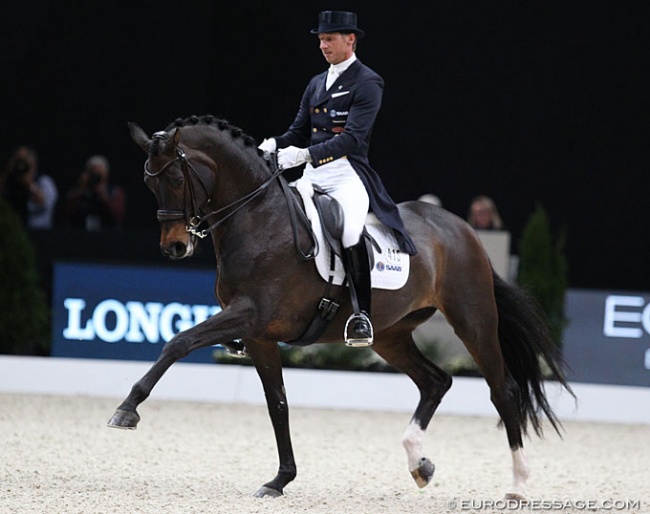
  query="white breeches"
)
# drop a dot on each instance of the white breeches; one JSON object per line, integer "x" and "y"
{"x": 339, "y": 179}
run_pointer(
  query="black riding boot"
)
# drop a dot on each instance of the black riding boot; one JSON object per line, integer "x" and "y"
{"x": 358, "y": 329}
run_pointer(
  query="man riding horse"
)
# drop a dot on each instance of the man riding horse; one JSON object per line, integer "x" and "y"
{"x": 331, "y": 135}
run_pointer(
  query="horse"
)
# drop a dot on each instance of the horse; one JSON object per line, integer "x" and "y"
{"x": 205, "y": 171}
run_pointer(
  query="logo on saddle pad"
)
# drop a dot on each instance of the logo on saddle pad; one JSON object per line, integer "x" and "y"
{"x": 394, "y": 261}
{"x": 391, "y": 268}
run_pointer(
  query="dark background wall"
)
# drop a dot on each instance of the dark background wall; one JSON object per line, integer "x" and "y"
{"x": 528, "y": 102}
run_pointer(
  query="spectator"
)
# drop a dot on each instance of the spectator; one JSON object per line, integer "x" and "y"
{"x": 94, "y": 204}
{"x": 483, "y": 214}
{"x": 32, "y": 195}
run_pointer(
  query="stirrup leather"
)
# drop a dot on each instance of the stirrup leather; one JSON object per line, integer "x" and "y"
{"x": 362, "y": 337}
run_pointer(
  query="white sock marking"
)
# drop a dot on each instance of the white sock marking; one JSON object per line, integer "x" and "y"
{"x": 412, "y": 442}
{"x": 520, "y": 471}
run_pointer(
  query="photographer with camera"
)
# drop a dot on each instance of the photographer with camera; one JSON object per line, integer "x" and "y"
{"x": 32, "y": 195}
{"x": 94, "y": 204}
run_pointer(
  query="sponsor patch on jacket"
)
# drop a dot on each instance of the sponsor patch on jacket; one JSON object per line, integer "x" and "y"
{"x": 334, "y": 113}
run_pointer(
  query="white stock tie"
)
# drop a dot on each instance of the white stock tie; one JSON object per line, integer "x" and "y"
{"x": 332, "y": 75}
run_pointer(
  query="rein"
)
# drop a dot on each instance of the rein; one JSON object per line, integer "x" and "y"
{"x": 194, "y": 218}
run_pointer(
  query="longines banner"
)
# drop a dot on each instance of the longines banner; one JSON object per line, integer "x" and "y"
{"x": 608, "y": 337}
{"x": 127, "y": 312}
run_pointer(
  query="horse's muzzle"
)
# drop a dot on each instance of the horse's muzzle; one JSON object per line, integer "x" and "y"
{"x": 175, "y": 242}
{"x": 177, "y": 249}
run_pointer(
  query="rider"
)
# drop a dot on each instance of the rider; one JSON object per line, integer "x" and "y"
{"x": 331, "y": 134}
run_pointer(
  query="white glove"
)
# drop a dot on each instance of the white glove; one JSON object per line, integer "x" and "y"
{"x": 292, "y": 156}
{"x": 268, "y": 145}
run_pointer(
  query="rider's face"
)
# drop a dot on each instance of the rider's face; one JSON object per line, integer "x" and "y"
{"x": 336, "y": 47}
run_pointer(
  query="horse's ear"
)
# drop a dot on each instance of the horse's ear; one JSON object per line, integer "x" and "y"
{"x": 172, "y": 142}
{"x": 140, "y": 137}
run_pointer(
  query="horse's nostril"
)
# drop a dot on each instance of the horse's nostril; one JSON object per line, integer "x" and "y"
{"x": 176, "y": 250}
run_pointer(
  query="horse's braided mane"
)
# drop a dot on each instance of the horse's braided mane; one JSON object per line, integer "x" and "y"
{"x": 221, "y": 124}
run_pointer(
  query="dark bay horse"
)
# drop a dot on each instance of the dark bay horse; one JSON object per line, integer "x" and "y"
{"x": 202, "y": 169}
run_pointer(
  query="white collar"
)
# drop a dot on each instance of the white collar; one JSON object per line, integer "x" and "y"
{"x": 342, "y": 66}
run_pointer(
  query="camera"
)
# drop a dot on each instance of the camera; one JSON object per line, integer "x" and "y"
{"x": 21, "y": 166}
{"x": 94, "y": 179}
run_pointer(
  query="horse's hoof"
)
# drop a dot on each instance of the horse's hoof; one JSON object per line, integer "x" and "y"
{"x": 517, "y": 497}
{"x": 124, "y": 419}
{"x": 423, "y": 473}
{"x": 267, "y": 492}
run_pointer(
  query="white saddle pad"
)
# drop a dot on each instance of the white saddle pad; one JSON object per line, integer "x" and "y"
{"x": 391, "y": 269}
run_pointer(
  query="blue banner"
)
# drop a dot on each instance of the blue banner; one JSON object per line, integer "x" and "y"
{"x": 607, "y": 340}
{"x": 127, "y": 312}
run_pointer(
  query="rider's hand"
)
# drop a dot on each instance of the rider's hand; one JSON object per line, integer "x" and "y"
{"x": 268, "y": 145}
{"x": 292, "y": 156}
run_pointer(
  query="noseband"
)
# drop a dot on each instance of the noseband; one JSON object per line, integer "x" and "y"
{"x": 193, "y": 214}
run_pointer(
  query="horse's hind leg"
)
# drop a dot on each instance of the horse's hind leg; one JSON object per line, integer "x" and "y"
{"x": 397, "y": 347}
{"x": 476, "y": 324}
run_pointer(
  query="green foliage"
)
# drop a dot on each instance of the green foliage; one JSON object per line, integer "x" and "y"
{"x": 24, "y": 313}
{"x": 543, "y": 268}
{"x": 439, "y": 352}
{"x": 320, "y": 356}
{"x": 341, "y": 358}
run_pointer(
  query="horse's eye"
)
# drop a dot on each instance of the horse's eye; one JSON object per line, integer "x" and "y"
{"x": 176, "y": 181}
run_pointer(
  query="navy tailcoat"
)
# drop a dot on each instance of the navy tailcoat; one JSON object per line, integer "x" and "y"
{"x": 337, "y": 123}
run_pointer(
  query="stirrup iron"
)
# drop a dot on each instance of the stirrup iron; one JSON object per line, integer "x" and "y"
{"x": 235, "y": 348}
{"x": 359, "y": 340}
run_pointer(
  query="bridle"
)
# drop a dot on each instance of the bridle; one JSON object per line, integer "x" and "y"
{"x": 193, "y": 215}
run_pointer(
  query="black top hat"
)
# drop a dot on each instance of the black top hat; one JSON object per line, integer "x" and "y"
{"x": 337, "y": 21}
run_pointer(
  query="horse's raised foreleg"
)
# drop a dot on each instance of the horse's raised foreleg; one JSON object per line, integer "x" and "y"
{"x": 399, "y": 350}
{"x": 223, "y": 327}
{"x": 266, "y": 358}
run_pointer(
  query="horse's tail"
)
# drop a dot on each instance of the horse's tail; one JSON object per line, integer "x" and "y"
{"x": 525, "y": 337}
